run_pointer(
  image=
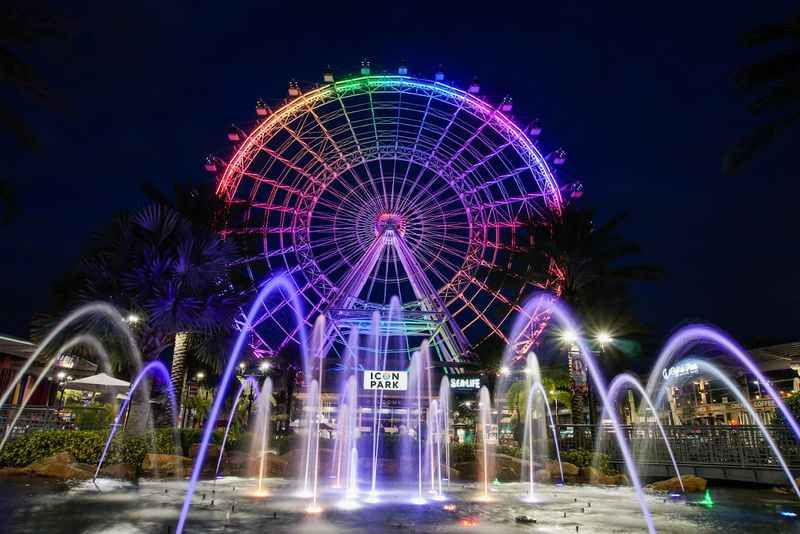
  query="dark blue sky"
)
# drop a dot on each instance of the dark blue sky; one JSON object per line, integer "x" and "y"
{"x": 640, "y": 96}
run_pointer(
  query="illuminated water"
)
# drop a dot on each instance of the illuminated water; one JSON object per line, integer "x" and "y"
{"x": 34, "y": 506}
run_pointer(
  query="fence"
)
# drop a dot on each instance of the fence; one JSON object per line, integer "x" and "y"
{"x": 47, "y": 418}
{"x": 729, "y": 452}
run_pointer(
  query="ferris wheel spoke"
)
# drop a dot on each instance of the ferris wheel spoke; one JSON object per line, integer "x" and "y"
{"x": 485, "y": 159}
{"x": 482, "y": 316}
{"x": 378, "y": 146}
{"x": 316, "y": 182}
{"x": 357, "y": 143}
{"x": 261, "y": 179}
{"x": 416, "y": 145}
{"x": 296, "y": 137}
{"x": 433, "y": 152}
{"x": 330, "y": 139}
{"x": 431, "y": 203}
{"x": 288, "y": 163}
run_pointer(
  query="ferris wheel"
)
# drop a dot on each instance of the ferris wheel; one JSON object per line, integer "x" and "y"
{"x": 388, "y": 185}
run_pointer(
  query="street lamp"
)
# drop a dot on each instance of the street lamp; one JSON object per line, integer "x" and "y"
{"x": 569, "y": 336}
{"x": 603, "y": 338}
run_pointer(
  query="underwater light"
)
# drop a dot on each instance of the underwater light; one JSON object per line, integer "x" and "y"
{"x": 707, "y": 500}
{"x": 468, "y": 522}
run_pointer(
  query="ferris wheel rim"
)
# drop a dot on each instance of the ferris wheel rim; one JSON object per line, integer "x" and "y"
{"x": 238, "y": 166}
{"x": 553, "y": 199}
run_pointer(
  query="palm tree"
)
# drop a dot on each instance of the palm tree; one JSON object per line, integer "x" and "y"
{"x": 592, "y": 266}
{"x": 774, "y": 85}
{"x": 170, "y": 274}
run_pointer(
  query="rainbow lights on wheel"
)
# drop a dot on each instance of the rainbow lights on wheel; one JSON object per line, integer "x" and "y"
{"x": 385, "y": 185}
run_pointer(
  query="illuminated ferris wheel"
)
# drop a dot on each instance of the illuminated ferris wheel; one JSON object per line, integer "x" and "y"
{"x": 388, "y": 185}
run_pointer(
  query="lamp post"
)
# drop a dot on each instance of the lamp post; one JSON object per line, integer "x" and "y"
{"x": 579, "y": 380}
{"x": 601, "y": 339}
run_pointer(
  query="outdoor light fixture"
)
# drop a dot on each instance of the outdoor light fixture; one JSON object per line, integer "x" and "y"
{"x": 569, "y": 336}
{"x": 604, "y": 338}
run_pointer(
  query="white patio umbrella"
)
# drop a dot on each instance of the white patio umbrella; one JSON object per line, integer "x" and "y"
{"x": 101, "y": 383}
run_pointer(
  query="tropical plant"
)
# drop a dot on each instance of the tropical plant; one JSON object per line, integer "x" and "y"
{"x": 171, "y": 275}
{"x": 593, "y": 267}
{"x": 774, "y": 86}
{"x": 586, "y": 458}
{"x": 793, "y": 403}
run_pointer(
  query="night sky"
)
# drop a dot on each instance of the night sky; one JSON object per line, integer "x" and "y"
{"x": 640, "y": 96}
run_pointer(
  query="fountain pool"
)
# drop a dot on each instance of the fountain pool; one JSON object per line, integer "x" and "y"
{"x": 152, "y": 507}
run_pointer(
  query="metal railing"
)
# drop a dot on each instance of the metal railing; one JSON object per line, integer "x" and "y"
{"x": 32, "y": 418}
{"x": 713, "y": 445}
{"x": 35, "y": 418}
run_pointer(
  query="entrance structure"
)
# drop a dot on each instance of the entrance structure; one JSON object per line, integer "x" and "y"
{"x": 388, "y": 185}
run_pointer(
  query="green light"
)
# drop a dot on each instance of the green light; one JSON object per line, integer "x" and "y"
{"x": 495, "y": 482}
{"x": 707, "y": 501}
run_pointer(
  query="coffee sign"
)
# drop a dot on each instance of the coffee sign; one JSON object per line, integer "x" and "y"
{"x": 386, "y": 380}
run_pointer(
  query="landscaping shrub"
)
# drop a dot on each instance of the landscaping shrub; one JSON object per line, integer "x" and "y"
{"x": 284, "y": 444}
{"x": 586, "y": 458}
{"x": 95, "y": 416}
{"x": 510, "y": 450}
{"x": 462, "y": 452}
{"x": 86, "y": 446}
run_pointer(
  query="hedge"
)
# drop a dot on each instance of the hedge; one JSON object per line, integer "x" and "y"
{"x": 86, "y": 446}
{"x": 586, "y": 458}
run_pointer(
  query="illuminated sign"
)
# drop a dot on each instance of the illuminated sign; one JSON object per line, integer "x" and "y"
{"x": 465, "y": 383}
{"x": 682, "y": 369}
{"x": 386, "y": 380}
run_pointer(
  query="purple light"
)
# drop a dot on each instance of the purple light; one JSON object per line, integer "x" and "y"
{"x": 153, "y": 367}
{"x": 284, "y": 282}
{"x": 228, "y": 426}
{"x": 549, "y": 304}
{"x": 693, "y": 334}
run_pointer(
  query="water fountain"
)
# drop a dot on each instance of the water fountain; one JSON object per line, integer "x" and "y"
{"x": 534, "y": 433}
{"x": 697, "y": 334}
{"x": 83, "y": 339}
{"x": 559, "y": 313}
{"x": 91, "y": 311}
{"x": 249, "y": 381}
{"x": 626, "y": 380}
{"x": 260, "y": 447}
{"x": 153, "y": 368}
{"x": 445, "y": 404}
{"x": 731, "y": 386}
{"x": 486, "y": 454}
{"x": 278, "y": 283}
{"x": 427, "y": 426}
